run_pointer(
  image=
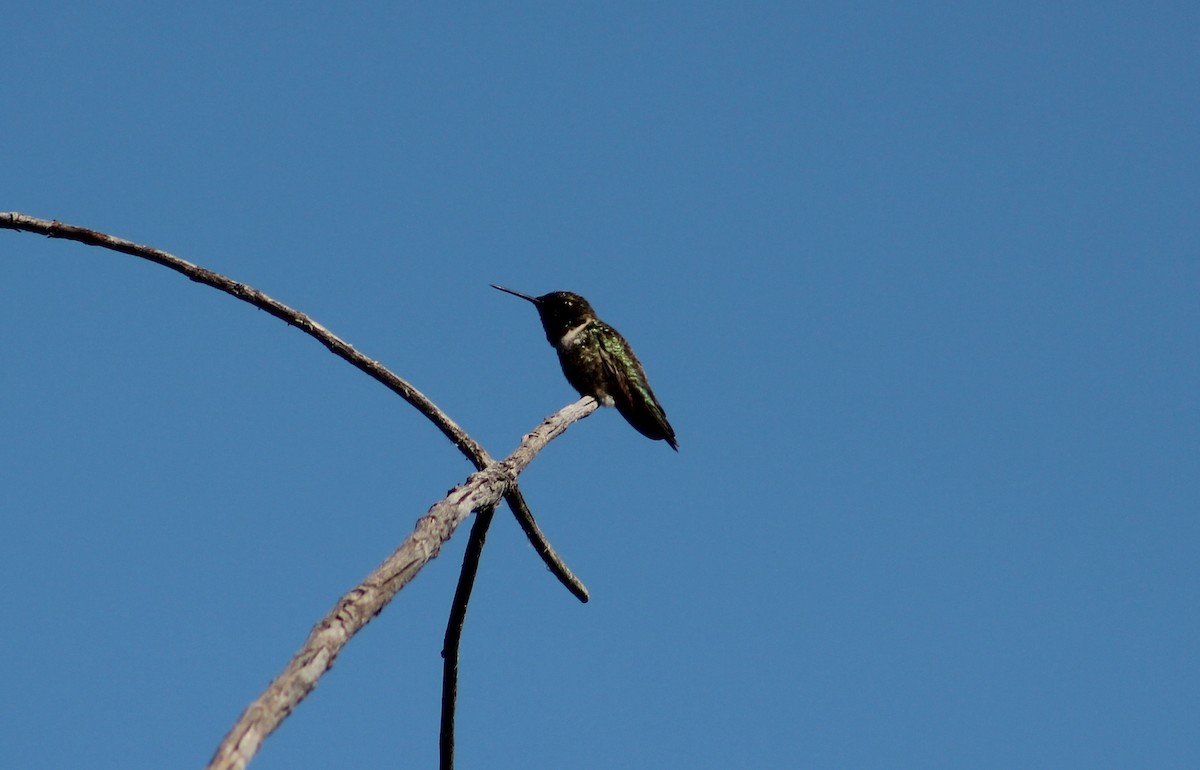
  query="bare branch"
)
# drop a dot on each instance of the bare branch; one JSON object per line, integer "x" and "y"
{"x": 524, "y": 517}
{"x": 13, "y": 220}
{"x": 481, "y": 491}
{"x": 16, "y": 221}
{"x": 453, "y": 638}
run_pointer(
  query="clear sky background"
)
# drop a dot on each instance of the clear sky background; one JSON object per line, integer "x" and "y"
{"x": 918, "y": 287}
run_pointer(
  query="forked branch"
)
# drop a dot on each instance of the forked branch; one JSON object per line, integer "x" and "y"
{"x": 13, "y": 220}
{"x": 481, "y": 491}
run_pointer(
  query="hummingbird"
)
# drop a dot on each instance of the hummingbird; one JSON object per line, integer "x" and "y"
{"x": 598, "y": 362}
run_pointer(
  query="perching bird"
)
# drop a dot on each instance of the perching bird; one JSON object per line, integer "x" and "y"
{"x": 598, "y": 362}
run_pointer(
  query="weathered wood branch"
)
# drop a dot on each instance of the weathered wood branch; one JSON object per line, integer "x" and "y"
{"x": 481, "y": 491}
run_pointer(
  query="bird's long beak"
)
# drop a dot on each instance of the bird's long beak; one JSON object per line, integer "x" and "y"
{"x": 534, "y": 300}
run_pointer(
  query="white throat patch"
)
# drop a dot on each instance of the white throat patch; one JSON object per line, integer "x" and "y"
{"x": 570, "y": 335}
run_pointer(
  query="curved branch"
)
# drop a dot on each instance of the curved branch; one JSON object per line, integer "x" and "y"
{"x": 13, "y": 220}
{"x": 481, "y": 491}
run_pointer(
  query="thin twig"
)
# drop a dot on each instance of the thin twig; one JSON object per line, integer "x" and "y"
{"x": 524, "y": 517}
{"x": 481, "y": 491}
{"x": 454, "y": 627}
{"x": 13, "y": 220}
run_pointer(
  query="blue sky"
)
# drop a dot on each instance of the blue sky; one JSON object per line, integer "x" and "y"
{"x": 918, "y": 288}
